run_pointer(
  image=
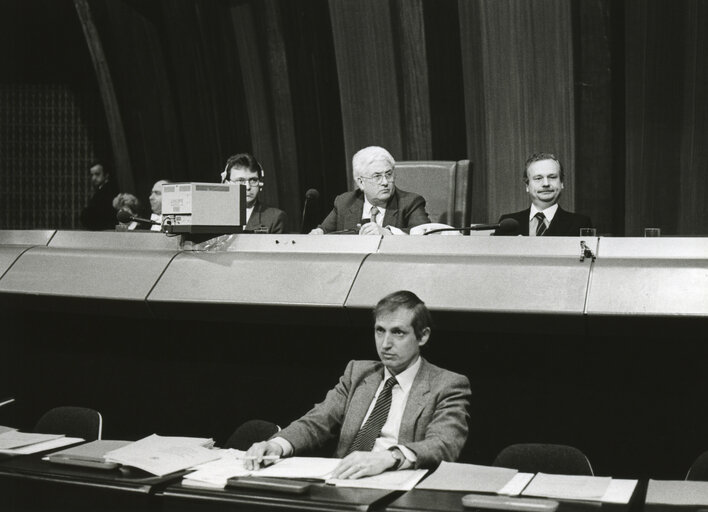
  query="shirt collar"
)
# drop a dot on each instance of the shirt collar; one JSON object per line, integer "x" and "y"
{"x": 366, "y": 212}
{"x": 406, "y": 377}
{"x": 549, "y": 212}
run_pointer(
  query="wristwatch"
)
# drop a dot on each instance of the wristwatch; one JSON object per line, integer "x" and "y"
{"x": 398, "y": 457}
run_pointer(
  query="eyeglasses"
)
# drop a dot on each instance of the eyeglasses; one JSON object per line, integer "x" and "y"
{"x": 379, "y": 177}
{"x": 254, "y": 182}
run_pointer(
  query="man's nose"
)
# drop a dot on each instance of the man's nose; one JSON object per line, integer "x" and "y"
{"x": 387, "y": 340}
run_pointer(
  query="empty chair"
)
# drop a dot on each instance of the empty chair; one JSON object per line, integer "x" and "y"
{"x": 544, "y": 458}
{"x": 252, "y": 431}
{"x": 72, "y": 422}
{"x": 699, "y": 468}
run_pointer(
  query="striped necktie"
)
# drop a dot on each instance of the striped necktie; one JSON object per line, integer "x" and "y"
{"x": 374, "y": 213}
{"x": 541, "y": 227}
{"x": 366, "y": 437}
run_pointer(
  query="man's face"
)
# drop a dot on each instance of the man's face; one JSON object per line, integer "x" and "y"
{"x": 243, "y": 176}
{"x": 396, "y": 343}
{"x": 544, "y": 186}
{"x": 156, "y": 197}
{"x": 98, "y": 176}
{"x": 376, "y": 181}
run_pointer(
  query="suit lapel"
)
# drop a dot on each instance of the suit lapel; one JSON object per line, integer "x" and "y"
{"x": 359, "y": 404}
{"x": 254, "y": 220}
{"x": 415, "y": 404}
{"x": 391, "y": 217}
{"x": 559, "y": 224}
{"x": 523, "y": 221}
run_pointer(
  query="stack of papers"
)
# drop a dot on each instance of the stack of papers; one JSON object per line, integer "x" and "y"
{"x": 581, "y": 488}
{"x": 230, "y": 464}
{"x": 677, "y": 492}
{"x": 13, "y": 442}
{"x": 164, "y": 455}
{"x": 452, "y": 476}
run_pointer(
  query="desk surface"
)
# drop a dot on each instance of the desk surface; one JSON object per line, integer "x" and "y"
{"x": 320, "y": 497}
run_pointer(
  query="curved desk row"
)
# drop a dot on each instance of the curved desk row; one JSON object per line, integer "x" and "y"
{"x": 295, "y": 277}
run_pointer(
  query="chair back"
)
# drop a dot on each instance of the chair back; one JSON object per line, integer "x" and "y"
{"x": 252, "y": 431}
{"x": 544, "y": 458}
{"x": 72, "y": 422}
{"x": 443, "y": 184}
{"x": 699, "y": 469}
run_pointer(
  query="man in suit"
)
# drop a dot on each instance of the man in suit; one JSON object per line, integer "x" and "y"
{"x": 244, "y": 169}
{"x": 99, "y": 213}
{"x": 377, "y": 207}
{"x": 397, "y": 413}
{"x": 543, "y": 176}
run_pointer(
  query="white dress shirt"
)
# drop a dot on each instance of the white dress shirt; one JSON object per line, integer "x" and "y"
{"x": 549, "y": 213}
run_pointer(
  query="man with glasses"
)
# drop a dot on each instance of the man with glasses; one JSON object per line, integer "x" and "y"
{"x": 377, "y": 207}
{"x": 244, "y": 169}
{"x": 543, "y": 176}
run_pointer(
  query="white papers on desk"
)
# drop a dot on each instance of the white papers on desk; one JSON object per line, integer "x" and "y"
{"x": 582, "y": 488}
{"x": 44, "y": 446}
{"x": 4, "y": 429}
{"x": 215, "y": 474}
{"x": 453, "y": 476}
{"x": 164, "y": 455}
{"x": 403, "y": 480}
{"x": 13, "y": 439}
{"x": 677, "y": 492}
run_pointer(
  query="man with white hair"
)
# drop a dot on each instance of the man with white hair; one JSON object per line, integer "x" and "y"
{"x": 377, "y": 207}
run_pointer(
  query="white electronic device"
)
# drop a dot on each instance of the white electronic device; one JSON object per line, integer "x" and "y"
{"x": 217, "y": 208}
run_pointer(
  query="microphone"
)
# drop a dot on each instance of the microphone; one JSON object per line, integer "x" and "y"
{"x": 310, "y": 194}
{"x": 505, "y": 227}
{"x": 125, "y": 216}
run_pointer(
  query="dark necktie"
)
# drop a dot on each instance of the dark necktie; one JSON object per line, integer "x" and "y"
{"x": 541, "y": 227}
{"x": 374, "y": 212}
{"x": 366, "y": 437}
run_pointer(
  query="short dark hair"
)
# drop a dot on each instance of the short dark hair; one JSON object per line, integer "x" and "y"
{"x": 245, "y": 160}
{"x": 537, "y": 157}
{"x": 409, "y": 301}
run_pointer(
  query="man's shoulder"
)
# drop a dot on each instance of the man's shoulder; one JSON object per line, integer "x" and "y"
{"x": 407, "y": 197}
{"x": 349, "y": 197}
{"x": 438, "y": 374}
{"x": 364, "y": 367}
{"x": 516, "y": 215}
{"x": 574, "y": 215}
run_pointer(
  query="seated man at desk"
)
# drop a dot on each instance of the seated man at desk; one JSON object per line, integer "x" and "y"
{"x": 244, "y": 169}
{"x": 377, "y": 207}
{"x": 397, "y": 413}
{"x": 543, "y": 176}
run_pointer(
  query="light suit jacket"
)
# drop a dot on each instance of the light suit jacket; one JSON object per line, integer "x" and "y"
{"x": 434, "y": 423}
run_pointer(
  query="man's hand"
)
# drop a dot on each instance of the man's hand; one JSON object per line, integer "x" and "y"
{"x": 317, "y": 231}
{"x": 255, "y": 457}
{"x": 371, "y": 228}
{"x": 359, "y": 464}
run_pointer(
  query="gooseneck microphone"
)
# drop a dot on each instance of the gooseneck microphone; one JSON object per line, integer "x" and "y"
{"x": 504, "y": 228}
{"x": 310, "y": 194}
{"x": 125, "y": 216}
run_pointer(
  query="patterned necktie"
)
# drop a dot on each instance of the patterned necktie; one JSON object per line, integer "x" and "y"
{"x": 541, "y": 228}
{"x": 374, "y": 212}
{"x": 366, "y": 437}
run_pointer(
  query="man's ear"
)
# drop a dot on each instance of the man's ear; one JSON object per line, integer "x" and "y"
{"x": 424, "y": 337}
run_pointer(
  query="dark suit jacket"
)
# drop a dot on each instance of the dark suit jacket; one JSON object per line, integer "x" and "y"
{"x": 404, "y": 210}
{"x": 564, "y": 223}
{"x": 264, "y": 216}
{"x": 99, "y": 214}
{"x": 434, "y": 423}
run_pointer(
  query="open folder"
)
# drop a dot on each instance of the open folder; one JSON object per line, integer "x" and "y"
{"x": 92, "y": 455}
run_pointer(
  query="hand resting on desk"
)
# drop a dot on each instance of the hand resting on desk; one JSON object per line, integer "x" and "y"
{"x": 360, "y": 464}
{"x": 254, "y": 458}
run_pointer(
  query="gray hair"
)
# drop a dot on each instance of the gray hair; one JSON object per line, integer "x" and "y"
{"x": 363, "y": 158}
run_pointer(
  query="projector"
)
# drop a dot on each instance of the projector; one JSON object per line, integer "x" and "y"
{"x": 216, "y": 208}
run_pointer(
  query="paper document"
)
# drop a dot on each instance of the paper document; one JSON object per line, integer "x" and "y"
{"x": 453, "y": 476}
{"x": 14, "y": 439}
{"x": 52, "y": 444}
{"x": 214, "y": 474}
{"x": 403, "y": 480}
{"x": 313, "y": 468}
{"x": 516, "y": 484}
{"x": 677, "y": 492}
{"x": 569, "y": 487}
{"x": 164, "y": 455}
{"x": 4, "y": 429}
